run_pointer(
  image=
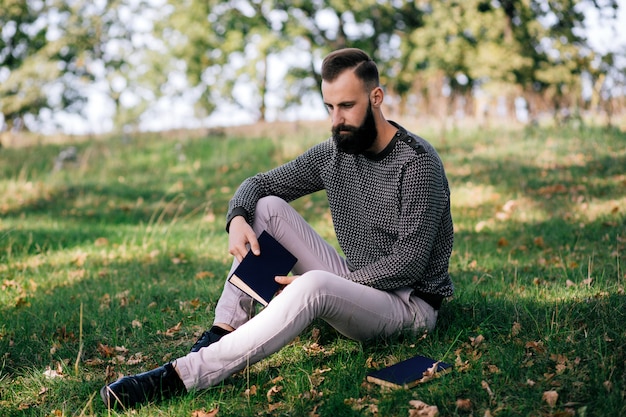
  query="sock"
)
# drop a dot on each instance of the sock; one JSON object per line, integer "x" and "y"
{"x": 219, "y": 331}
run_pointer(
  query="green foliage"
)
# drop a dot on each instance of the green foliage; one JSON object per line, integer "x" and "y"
{"x": 132, "y": 231}
{"x": 207, "y": 52}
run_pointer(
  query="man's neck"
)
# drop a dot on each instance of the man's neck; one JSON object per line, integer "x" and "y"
{"x": 386, "y": 131}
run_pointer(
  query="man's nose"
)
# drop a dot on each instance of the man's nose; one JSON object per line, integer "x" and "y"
{"x": 337, "y": 117}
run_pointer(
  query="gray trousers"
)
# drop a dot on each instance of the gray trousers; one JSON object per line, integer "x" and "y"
{"x": 355, "y": 310}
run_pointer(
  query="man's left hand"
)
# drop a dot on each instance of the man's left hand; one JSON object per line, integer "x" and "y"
{"x": 284, "y": 281}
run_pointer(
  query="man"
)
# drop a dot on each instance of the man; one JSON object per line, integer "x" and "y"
{"x": 390, "y": 204}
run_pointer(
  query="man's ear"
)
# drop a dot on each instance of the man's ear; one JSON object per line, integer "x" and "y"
{"x": 376, "y": 96}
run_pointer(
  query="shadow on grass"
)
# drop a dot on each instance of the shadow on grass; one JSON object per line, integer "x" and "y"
{"x": 131, "y": 304}
{"x": 572, "y": 342}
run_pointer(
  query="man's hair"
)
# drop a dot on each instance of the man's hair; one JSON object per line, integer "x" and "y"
{"x": 351, "y": 58}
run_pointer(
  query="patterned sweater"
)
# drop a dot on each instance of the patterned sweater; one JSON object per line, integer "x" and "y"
{"x": 390, "y": 211}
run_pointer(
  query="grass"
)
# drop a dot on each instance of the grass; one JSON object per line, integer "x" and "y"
{"x": 113, "y": 265}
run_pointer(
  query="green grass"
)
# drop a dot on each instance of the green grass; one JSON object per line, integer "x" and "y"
{"x": 133, "y": 234}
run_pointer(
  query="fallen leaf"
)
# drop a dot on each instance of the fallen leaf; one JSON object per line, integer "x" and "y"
{"x": 516, "y": 329}
{"x": 316, "y": 378}
{"x": 509, "y": 206}
{"x": 76, "y": 274}
{"x": 52, "y": 373}
{"x": 273, "y": 407}
{"x": 122, "y": 298}
{"x": 476, "y": 341}
{"x": 249, "y": 392}
{"x": 202, "y": 413}
{"x": 550, "y": 397}
{"x": 204, "y": 274}
{"x": 493, "y": 369}
{"x": 94, "y": 362}
{"x": 461, "y": 365}
{"x": 79, "y": 258}
{"x": 486, "y": 387}
{"x": 549, "y": 190}
{"x": 109, "y": 374}
{"x": 480, "y": 226}
{"x": 272, "y": 392}
{"x": 536, "y": 347}
{"x": 171, "y": 332}
{"x": 121, "y": 349}
{"x": 135, "y": 359}
{"x": 464, "y": 404}
{"x": 277, "y": 379}
{"x": 315, "y": 334}
{"x": 430, "y": 373}
{"x": 105, "y": 302}
{"x": 421, "y": 409}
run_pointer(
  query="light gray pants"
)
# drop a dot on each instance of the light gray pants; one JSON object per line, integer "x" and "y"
{"x": 356, "y": 311}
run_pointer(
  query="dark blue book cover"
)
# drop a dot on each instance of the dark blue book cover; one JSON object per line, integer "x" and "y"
{"x": 255, "y": 274}
{"x": 409, "y": 373}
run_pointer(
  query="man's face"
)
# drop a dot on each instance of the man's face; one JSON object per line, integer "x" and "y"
{"x": 356, "y": 139}
{"x": 354, "y": 127}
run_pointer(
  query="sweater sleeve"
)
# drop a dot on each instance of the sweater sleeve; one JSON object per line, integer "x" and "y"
{"x": 290, "y": 181}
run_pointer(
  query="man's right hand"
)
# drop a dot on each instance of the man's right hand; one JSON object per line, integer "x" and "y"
{"x": 240, "y": 235}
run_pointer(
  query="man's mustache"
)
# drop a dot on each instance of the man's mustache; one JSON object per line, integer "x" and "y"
{"x": 344, "y": 128}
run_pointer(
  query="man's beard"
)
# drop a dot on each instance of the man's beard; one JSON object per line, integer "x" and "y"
{"x": 358, "y": 139}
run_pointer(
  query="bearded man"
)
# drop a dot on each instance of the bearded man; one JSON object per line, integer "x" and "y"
{"x": 390, "y": 204}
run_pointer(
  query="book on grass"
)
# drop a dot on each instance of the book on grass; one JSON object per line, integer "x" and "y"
{"x": 255, "y": 274}
{"x": 409, "y": 373}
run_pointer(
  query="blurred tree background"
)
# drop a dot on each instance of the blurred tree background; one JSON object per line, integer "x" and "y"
{"x": 476, "y": 58}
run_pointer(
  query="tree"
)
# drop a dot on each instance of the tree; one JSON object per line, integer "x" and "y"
{"x": 42, "y": 61}
{"x": 556, "y": 50}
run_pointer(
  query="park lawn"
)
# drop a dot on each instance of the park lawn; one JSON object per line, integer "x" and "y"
{"x": 112, "y": 263}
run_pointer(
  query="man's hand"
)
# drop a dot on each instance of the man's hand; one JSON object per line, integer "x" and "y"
{"x": 284, "y": 281}
{"x": 240, "y": 234}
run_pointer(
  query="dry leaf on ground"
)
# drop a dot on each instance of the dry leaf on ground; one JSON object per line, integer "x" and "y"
{"x": 550, "y": 397}
{"x": 464, "y": 404}
{"x": 421, "y": 409}
{"x": 202, "y": 413}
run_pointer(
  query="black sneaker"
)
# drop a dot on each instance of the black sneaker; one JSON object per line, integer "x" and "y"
{"x": 209, "y": 337}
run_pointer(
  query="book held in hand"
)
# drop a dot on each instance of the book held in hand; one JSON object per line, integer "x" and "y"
{"x": 255, "y": 274}
{"x": 409, "y": 373}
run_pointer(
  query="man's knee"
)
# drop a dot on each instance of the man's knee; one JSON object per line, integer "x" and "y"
{"x": 314, "y": 282}
{"x": 269, "y": 205}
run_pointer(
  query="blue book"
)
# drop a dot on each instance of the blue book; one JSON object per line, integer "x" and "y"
{"x": 255, "y": 274}
{"x": 409, "y": 373}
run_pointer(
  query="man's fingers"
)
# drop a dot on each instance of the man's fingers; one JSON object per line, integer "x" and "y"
{"x": 285, "y": 280}
{"x": 254, "y": 244}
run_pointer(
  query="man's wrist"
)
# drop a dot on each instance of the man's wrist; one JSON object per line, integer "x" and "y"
{"x": 237, "y": 211}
